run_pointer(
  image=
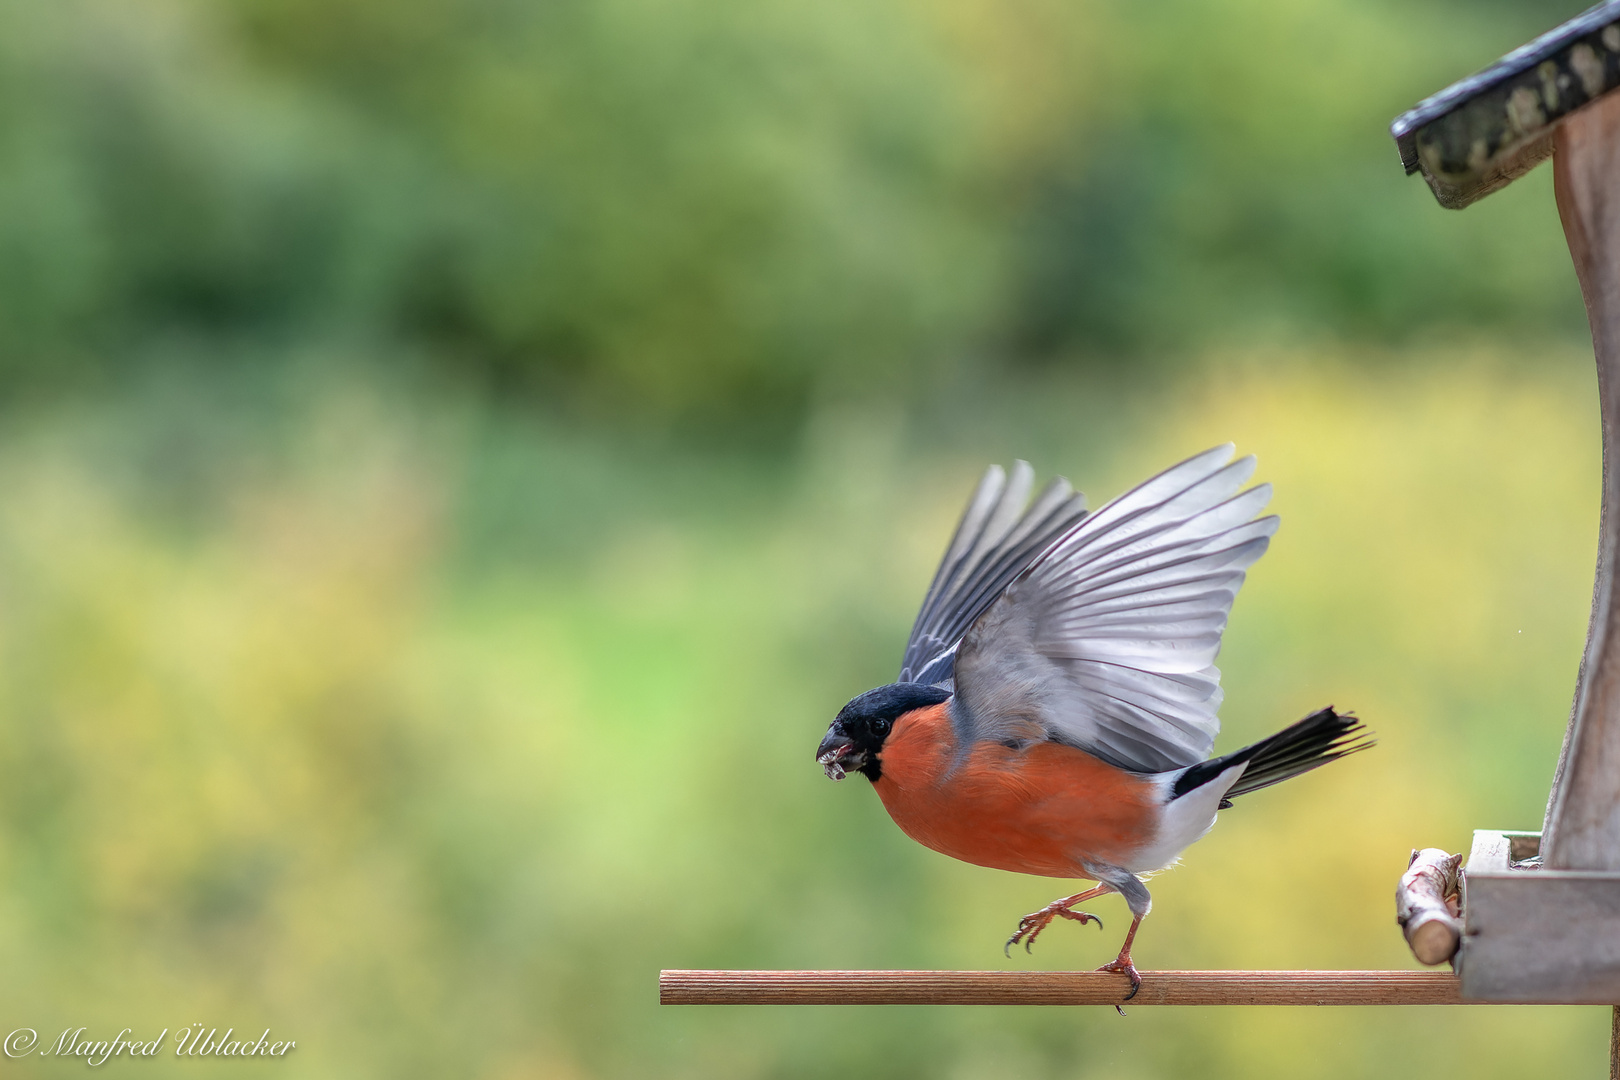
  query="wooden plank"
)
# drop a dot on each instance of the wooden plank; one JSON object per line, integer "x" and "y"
{"x": 1057, "y": 988}
{"x": 1532, "y": 934}
{"x": 1541, "y": 935}
{"x": 1490, "y": 851}
{"x": 1582, "y": 830}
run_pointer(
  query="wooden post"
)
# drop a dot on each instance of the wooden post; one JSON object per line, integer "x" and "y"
{"x": 1582, "y": 829}
{"x": 1614, "y": 1045}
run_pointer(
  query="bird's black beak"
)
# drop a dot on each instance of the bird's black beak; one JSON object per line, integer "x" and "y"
{"x": 837, "y": 754}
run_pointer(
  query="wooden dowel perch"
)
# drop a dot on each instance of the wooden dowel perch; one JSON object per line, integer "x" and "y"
{"x": 1426, "y": 905}
{"x": 1056, "y": 988}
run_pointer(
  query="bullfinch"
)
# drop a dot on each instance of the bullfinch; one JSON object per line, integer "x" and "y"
{"x": 1056, "y": 706}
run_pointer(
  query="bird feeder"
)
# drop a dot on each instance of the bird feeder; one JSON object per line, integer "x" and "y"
{"x": 1539, "y": 912}
{"x": 1530, "y": 917}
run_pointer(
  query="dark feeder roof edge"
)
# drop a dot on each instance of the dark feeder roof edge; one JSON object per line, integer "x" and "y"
{"x": 1525, "y": 57}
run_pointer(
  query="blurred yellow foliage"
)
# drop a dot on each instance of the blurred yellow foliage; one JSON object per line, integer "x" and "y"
{"x": 301, "y": 750}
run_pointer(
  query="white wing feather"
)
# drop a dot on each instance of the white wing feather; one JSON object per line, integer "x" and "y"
{"x": 1108, "y": 641}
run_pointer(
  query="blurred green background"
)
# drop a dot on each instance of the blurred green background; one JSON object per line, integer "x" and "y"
{"x": 458, "y": 455}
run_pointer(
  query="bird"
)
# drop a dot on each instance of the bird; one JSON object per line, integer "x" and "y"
{"x": 1056, "y": 709}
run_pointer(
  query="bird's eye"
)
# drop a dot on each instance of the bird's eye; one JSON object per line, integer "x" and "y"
{"x": 880, "y": 726}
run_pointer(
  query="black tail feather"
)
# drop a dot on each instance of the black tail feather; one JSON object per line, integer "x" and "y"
{"x": 1321, "y": 737}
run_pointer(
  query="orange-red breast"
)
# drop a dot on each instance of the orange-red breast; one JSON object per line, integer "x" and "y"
{"x": 1056, "y": 706}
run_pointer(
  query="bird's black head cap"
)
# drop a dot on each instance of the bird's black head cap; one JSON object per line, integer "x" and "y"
{"x": 857, "y": 733}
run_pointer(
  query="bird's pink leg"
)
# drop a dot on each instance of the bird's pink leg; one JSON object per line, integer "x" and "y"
{"x": 1123, "y": 963}
{"x": 1030, "y": 926}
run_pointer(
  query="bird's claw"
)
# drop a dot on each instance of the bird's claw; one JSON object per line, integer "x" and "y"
{"x": 1123, "y": 965}
{"x": 1030, "y": 926}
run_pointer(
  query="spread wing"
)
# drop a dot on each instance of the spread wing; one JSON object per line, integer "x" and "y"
{"x": 995, "y": 541}
{"x": 1107, "y": 641}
